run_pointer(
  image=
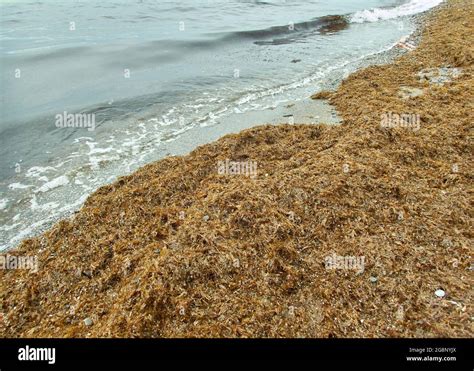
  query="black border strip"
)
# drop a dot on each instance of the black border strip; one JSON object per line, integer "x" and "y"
{"x": 114, "y": 352}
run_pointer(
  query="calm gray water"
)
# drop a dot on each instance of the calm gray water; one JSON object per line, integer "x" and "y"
{"x": 150, "y": 71}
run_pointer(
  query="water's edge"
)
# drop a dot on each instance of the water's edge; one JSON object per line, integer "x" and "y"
{"x": 297, "y": 112}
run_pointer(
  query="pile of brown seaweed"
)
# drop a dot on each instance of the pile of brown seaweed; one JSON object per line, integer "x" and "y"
{"x": 178, "y": 250}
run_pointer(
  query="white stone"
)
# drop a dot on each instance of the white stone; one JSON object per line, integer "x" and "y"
{"x": 440, "y": 293}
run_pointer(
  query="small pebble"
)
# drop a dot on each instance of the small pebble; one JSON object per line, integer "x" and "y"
{"x": 373, "y": 279}
{"x": 440, "y": 293}
{"x": 88, "y": 274}
{"x": 205, "y": 218}
{"x": 88, "y": 322}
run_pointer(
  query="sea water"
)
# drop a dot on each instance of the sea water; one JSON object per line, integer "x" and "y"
{"x": 146, "y": 72}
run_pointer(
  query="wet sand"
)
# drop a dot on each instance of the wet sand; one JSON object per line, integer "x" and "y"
{"x": 299, "y": 112}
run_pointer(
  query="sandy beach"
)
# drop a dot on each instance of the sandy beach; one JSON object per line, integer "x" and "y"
{"x": 357, "y": 227}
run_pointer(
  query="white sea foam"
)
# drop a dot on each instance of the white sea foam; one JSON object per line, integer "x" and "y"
{"x": 44, "y": 207}
{"x": 7, "y": 228}
{"x": 36, "y": 171}
{"x": 14, "y": 186}
{"x": 56, "y": 182}
{"x": 378, "y": 14}
{"x": 3, "y": 203}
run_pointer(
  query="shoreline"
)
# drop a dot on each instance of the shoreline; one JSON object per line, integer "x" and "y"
{"x": 301, "y": 111}
{"x": 228, "y": 256}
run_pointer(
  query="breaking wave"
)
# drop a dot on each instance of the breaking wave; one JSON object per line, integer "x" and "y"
{"x": 380, "y": 14}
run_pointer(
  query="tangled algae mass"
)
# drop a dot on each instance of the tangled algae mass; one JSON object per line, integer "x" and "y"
{"x": 178, "y": 250}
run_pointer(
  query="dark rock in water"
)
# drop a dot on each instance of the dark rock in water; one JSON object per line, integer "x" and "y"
{"x": 322, "y": 95}
{"x": 280, "y": 35}
{"x": 333, "y": 23}
{"x": 296, "y": 60}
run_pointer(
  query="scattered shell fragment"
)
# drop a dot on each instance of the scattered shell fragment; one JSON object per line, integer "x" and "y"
{"x": 440, "y": 293}
{"x": 447, "y": 243}
{"x": 400, "y": 216}
{"x": 400, "y": 313}
{"x": 440, "y": 76}
{"x": 408, "y": 92}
